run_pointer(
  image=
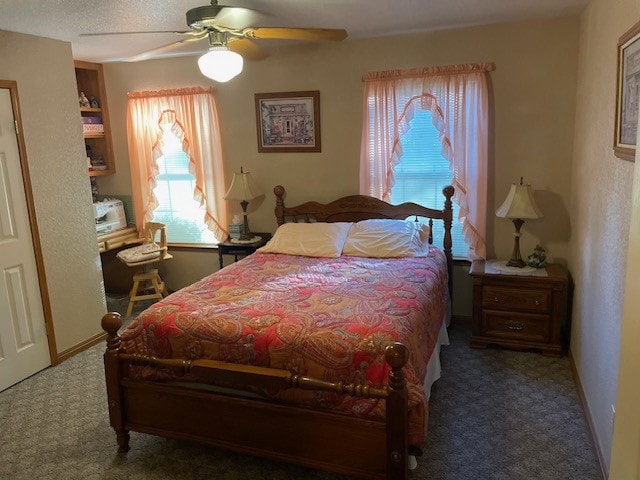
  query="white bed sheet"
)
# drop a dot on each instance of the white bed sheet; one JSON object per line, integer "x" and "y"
{"x": 434, "y": 366}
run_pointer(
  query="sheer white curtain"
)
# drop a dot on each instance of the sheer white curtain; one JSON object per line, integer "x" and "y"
{"x": 458, "y": 100}
{"x": 193, "y": 118}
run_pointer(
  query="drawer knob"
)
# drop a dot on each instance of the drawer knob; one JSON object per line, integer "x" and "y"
{"x": 495, "y": 299}
{"x": 537, "y": 303}
{"x": 511, "y": 325}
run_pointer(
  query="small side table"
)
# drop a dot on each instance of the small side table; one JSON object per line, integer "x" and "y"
{"x": 520, "y": 311}
{"x": 241, "y": 249}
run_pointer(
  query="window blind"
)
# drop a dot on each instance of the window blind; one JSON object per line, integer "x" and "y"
{"x": 174, "y": 189}
{"x": 422, "y": 173}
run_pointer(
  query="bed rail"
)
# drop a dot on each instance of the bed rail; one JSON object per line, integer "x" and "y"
{"x": 128, "y": 396}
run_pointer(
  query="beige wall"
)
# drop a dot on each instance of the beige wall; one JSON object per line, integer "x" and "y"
{"x": 43, "y": 70}
{"x": 600, "y": 213}
{"x": 625, "y": 453}
{"x": 532, "y": 90}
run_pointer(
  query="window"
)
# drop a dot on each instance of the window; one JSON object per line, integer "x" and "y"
{"x": 457, "y": 97}
{"x": 177, "y": 208}
{"x": 175, "y": 156}
{"x": 421, "y": 174}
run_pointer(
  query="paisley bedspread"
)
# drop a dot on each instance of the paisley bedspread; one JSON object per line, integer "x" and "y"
{"x": 329, "y": 318}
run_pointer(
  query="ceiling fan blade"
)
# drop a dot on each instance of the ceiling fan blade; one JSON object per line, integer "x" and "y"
{"x": 99, "y": 34}
{"x": 247, "y": 48}
{"x": 284, "y": 33}
{"x": 165, "y": 48}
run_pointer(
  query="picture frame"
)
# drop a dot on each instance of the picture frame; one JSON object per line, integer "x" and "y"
{"x": 288, "y": 121}
{"x": 627, "y": 94}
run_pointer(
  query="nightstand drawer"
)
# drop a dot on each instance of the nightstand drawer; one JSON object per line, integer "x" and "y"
{"x": 523, "y": 311}
{"x": 511, "y": 298}
{"x": 521, "y": 326}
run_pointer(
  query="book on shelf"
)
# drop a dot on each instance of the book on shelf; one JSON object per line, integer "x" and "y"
{"x": 91, "y": 120}
{"x": 92, "y": 128}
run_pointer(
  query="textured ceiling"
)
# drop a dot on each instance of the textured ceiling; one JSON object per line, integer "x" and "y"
{"x": 67, "y": 19}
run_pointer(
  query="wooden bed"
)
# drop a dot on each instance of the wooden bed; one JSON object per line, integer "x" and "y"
{"x": 312, "y": 437}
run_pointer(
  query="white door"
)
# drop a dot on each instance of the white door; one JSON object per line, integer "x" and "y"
{"x": 24, "y": 349}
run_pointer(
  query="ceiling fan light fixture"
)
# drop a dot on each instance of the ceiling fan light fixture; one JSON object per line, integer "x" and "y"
{"x": 220, "y": 63}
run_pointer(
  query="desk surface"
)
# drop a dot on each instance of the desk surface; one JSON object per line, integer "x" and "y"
{"x": 113, "y": 240}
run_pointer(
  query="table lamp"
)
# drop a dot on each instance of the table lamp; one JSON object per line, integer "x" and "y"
{"x": 243, "y": 188}
{"x": 518, "y": 205}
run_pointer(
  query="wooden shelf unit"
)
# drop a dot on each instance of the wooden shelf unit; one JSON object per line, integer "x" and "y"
{"x": 90, "y": 80}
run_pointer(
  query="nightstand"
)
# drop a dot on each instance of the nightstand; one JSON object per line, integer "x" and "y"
{"x": 241, "y": 249}
{"x": 522, "y": 311}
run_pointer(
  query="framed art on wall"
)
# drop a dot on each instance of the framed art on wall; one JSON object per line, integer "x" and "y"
{"x": 627, "y": 94}
{"x": 288, "y": 121}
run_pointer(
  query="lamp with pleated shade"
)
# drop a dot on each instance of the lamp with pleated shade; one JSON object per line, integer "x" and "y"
{"x": 518, "y": 205}
{"x": 243, "y": 188}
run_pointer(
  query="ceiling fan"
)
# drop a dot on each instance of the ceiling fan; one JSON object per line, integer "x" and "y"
{"x": 229, "y": 42}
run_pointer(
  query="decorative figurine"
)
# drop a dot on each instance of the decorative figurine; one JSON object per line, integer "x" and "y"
{"x": 94, "y": 103}
{"x": 538, "y": 258}
{"x": 84, "y": 102}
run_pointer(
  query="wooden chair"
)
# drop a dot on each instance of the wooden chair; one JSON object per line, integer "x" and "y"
{"x": 147, "y": 284}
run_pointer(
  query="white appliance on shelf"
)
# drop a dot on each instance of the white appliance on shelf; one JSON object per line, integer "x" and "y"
{"x": 109, "y": 215}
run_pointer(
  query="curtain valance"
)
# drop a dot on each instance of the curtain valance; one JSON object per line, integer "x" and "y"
{"x": 426, "y": 71}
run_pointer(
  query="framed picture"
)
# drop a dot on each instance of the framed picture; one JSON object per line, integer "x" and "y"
{"x": 627, "y": 94}
{"x": 288, "y": 121}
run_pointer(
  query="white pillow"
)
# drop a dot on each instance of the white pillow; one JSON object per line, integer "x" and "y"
{"x": 424, "y": 231}
{"x": 385, "y": 238}
{"x": 309, "y": 239}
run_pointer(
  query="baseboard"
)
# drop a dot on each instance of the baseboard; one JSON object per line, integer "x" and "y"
{"x": 587, "y": 412}
{"x": 70, "y": 352}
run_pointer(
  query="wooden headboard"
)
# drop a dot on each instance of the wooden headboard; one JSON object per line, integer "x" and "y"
{"x": 361, "y": 207}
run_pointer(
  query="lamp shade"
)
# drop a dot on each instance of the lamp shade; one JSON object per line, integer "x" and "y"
{"x": 519, "y": 204}
{"x": 243, "y": 187}
{"x": 220, "y": 63}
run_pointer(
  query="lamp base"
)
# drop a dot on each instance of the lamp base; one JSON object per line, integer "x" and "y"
{"x": 516, "y": 258}
{"x": 515, "y": 262}
{"x": 246, "y": 233}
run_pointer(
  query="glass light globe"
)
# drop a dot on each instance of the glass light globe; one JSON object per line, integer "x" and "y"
{"x": 220, "y": 64}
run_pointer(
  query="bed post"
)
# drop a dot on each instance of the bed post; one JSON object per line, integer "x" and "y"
{"x": 448, "y": 192}
{"x": 279, "y": 191}
{"x": 397, "y": 407}
{"x": 111, "y": 323}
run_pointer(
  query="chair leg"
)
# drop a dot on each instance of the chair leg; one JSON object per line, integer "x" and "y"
{"x": 162, "y": 287}
{"x": 147, "y": 286}
{"x": 142, "y": 281}
{"x": 158, "y": 285}
{"x": 132, "y": 296}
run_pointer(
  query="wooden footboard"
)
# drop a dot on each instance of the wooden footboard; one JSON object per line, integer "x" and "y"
{"x": 311, "y": 437}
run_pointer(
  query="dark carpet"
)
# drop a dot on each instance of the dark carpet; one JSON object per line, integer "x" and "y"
{"x": 495, "y": 414}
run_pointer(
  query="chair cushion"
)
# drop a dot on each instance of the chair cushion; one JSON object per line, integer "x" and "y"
{"x": 140, "y": 253}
